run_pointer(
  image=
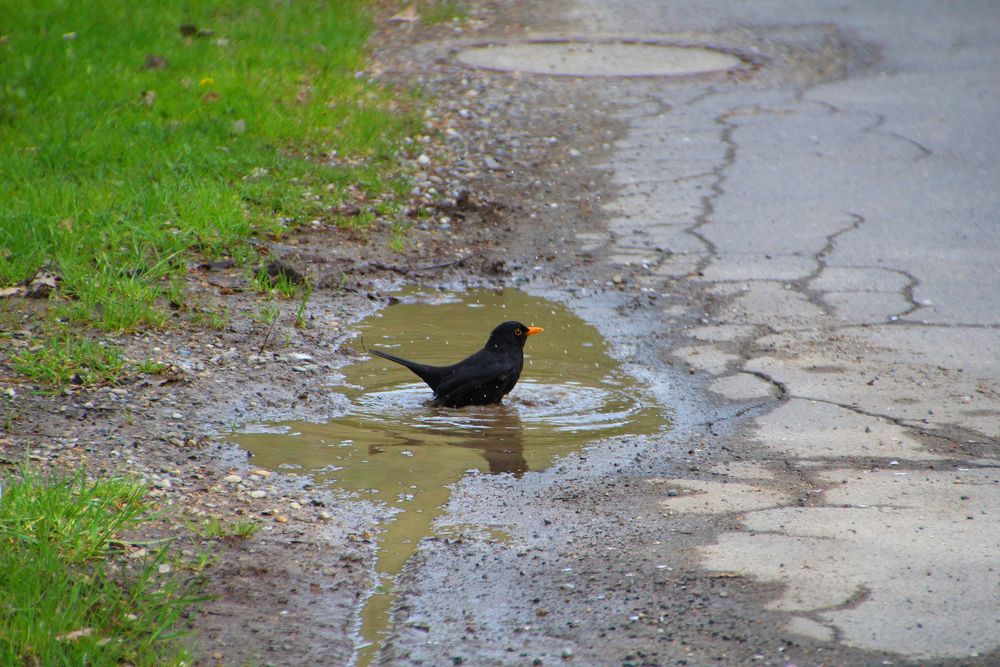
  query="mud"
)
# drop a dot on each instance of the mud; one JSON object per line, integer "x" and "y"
{"x": 388, "y": 446}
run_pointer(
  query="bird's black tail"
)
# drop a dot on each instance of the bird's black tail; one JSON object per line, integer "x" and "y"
{"x": 430, "y": 374}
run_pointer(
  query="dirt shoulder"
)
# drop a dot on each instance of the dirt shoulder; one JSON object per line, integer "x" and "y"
{"x": 289, "y": 594}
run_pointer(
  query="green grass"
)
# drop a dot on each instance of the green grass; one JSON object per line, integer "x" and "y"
{"x": 215, "y": 529}
{"x": 300, "y": 312}
{"x": 150, "y": 367}
{"x": 441, "y": 11}
{"x": 280, "y": 283}
{"x": 63, "y": 358}
{"x": 67, "y": 595}
{"x": 267, "y": 314}
{"x": 397, "y": 240}
{"x": 118, "y": 173}
{"x": 212, "y": 319}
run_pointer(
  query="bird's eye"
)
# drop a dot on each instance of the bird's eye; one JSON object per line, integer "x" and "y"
{"x": 517, "y": 332}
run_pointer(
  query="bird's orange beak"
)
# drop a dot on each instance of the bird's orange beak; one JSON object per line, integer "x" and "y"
{"x": 533, "y": 330}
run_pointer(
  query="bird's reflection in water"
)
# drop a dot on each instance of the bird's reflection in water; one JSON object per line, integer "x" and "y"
{"x": 499, "y": 439}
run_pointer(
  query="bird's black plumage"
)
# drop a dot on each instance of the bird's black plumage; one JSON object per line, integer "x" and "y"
{"x": 482, "y": 378}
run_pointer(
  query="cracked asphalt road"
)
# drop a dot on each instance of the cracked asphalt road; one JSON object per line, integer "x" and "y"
{"x": 824, "y": 237}
{"x": 848, "y": 230}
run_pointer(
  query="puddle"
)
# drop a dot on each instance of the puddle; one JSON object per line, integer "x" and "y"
{"x": 393, "y": 448}
{"x": 569, "y": 57}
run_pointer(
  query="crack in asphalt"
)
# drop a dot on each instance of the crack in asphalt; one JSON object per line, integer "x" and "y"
{"x": 707, "y": 207}
{"x": 716, "y": 190}
{"x": 703, "y": 193}
{"x": 779, "y": 386}
{"x": 970, "y": 435}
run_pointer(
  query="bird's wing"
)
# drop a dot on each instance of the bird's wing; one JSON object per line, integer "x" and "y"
{"x": 470, "y": 373}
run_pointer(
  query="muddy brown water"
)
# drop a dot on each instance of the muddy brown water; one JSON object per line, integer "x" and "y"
{"x": 392, "y": 447}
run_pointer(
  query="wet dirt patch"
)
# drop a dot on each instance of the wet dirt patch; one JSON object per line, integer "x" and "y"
{"x": 391, "y": 447}
{"x": 578, "y": 57}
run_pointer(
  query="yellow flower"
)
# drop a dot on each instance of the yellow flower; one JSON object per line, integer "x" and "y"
{"x": 207, "y": 81}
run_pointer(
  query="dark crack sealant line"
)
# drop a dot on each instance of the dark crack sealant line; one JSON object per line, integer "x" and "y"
{"x": 815, "y": 297}
{"x": 716, "y": 190}
{"x": 969, "y": 435}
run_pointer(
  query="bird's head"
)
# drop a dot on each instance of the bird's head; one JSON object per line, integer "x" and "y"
{"x": 513, "y": 332}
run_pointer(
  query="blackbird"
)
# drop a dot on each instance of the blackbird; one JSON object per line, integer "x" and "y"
{"x": 483, "y": 378}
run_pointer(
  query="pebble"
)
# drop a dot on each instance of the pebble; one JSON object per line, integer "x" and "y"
{"x": 260, "y": 472}
{"x": 575, "y": 153}
{"x": 491, "y": 163}
{"x": 164, "y": 483}
{"x": 232, "y": 479}
{"x": 177, "y": 415}
{"x": 325, "y": 516}
{"x": 423, "y": 160}
{"x": 259, "y": 493}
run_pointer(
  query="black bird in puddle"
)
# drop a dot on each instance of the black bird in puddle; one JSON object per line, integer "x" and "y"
{"x": 482, "y": 378}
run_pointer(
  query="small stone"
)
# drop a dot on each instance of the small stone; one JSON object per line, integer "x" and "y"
{"x": 164, "y": 483}
{"x": 325, "y": 516}
{"x": 423, "y": 160}
{"x": 673, "y": 493}
{"x": 177, "y": 415}
{"x": 260, "y": 472}
{"x": 280, "y": 518}
{"x": 575, "y": 153}
{"x": 491, "y": 163}
{"x": 232, "y": 479}
{"x": 259, "y": 493}
{"x": 617, "y": 279}
{"x": 294, "y": 505}
{"x": 165, "y": 568}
